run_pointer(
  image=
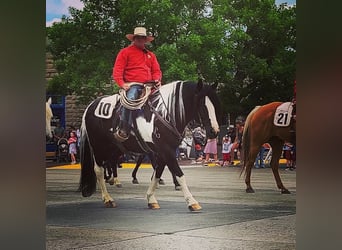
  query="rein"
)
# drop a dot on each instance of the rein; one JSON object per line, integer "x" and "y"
{"x": 170, "y": 126}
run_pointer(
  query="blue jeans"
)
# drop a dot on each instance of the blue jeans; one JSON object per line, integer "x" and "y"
{"x": 259, "y": 161}
{"x": 132, "y": 94}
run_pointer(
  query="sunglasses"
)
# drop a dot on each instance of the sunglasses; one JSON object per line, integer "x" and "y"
{"x": 140, "y": 37}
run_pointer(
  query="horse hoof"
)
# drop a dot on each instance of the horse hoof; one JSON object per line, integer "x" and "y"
{"x": 161, "y": 182}
{"x": 178, "y": 187}
{"x": 153, "y": 206}
{"x": 110, "y": 204}
{"x": 195, "y": 207}
{"x": 285, "y": 191}
{"x": 135, "y": 181}
{"x": 118, "y": 185}
{"x": 250, "y": 190}
{"x": 111, "y": 182}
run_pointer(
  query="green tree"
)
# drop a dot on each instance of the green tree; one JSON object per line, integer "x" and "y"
{"x": 247, "y": 46}
{"x": 263, "y": 55}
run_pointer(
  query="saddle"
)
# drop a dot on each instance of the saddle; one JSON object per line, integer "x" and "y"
{"x": 146, "y": 105}
{"x": 138, "y": 107}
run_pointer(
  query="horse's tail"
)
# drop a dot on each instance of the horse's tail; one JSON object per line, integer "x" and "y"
{"x": 246, "y": 139}
{"x": 88, "y": 177}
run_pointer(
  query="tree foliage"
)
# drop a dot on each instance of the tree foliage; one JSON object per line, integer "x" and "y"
{"x": 247, "y": 46}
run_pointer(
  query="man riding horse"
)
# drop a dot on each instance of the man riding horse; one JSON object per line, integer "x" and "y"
{"x": 134, "y": 66}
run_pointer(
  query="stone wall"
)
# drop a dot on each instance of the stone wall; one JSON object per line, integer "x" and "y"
{"x": 73, "y": 111}
{"x": 50, "y": 70}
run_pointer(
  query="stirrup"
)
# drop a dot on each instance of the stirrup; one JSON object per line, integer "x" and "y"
{"x": 119, "y": 137}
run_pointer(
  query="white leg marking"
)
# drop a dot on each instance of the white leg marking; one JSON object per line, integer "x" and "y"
{"x": 100, "y": 179}
{"x": 151, "y": 190}
{"x": 190, "y": 200}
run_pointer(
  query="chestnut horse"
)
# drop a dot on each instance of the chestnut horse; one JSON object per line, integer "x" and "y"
{"x": 260, "y": 128}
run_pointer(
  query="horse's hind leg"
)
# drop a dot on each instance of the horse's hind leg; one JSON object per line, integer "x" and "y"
{"x": 112, "y": 166}
{"x": 277, "y": 146}
{"x": 248, "y": 165}
{"x": 107, "y": 199}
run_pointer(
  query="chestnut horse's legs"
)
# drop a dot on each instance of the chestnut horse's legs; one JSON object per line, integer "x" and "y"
{"x": 277, "y": 146}
{"x": 249, "y": 165}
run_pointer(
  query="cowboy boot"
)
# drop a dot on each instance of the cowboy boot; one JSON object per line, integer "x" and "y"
{"x": 122, "y": 133}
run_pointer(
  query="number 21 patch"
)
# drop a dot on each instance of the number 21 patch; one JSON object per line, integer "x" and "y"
{"x": 282, "y": 116}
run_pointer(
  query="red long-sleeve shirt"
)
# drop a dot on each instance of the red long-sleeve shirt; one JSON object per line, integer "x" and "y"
{"x": 132, "y": 64}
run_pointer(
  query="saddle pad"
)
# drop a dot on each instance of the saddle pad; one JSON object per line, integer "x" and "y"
{"x": 106, "y": 106}
{"x": 283, "y": 113}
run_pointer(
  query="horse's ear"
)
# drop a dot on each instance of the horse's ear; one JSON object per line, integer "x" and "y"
{"x": 214, "y": 86}
{"x": 49, "y": 101}
{"x": 199, "y": 84}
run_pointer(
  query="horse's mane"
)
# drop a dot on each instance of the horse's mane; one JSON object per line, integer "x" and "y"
{"x": 172, "y": 96}
{"x": 175, "y": 94}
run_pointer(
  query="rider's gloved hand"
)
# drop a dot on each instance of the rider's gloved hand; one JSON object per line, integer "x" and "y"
{"x": 157, "y": 83}
{"x": 126, "y": 86}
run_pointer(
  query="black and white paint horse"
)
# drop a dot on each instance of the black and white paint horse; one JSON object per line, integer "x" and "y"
{"x": 158, "y": 127}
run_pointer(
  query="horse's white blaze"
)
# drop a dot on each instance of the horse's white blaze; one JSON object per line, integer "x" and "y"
{"x": 187, "y": 195}
{"x": 212, "y": 114}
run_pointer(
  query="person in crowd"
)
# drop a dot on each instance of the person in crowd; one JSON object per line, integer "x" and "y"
{"x": 259, "y": 161}
{"x": 237, "y": 144}
{"x": 78, "y": 135}
{"x": 211, "y": 149}
{"x": 231, "y": 132}
{"x": 133, "y": 67}
{"x": 289, "y": 155}
{"x": 58, "y": 132}
{"x": 226, "y": 148}
{"x": 72, "y": 141}
{"x": 199, "y": 142}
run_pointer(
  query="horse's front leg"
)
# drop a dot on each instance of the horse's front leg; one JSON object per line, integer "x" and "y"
{"x": 177, "y": 185}
{"x": 151, "y": 199}
{"x": 193, "y": 205}
{"x": 107, "y": 199}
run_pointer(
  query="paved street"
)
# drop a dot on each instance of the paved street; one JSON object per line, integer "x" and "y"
{"x": 230, "y": 219}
